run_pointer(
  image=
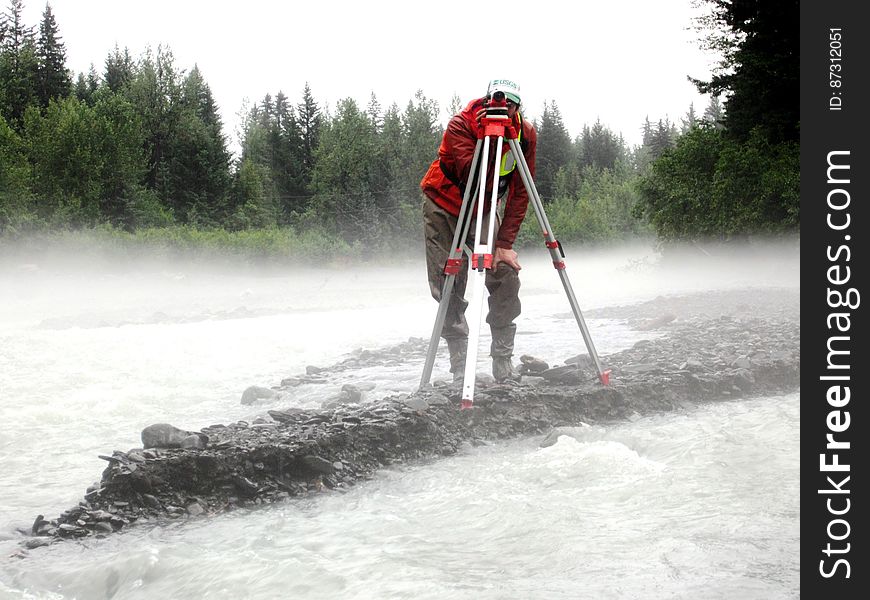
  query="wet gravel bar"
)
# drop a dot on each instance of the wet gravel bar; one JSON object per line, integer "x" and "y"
{"x": 700, "y": 348}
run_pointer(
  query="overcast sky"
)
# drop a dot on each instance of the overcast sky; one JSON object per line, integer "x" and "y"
{"x": 614, "y": 60}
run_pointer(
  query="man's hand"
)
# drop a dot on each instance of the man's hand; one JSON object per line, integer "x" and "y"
{"x": 506, "y": 256}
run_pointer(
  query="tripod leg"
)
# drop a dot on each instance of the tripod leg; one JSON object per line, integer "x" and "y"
{"x": 557, "y": 255}
{"x": 454, "y": 263}
{"x": 481, "y": 261}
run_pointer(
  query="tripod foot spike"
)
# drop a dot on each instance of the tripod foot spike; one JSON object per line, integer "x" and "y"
{"x": 604, "y": 377}
{"x": 465, "y": 404}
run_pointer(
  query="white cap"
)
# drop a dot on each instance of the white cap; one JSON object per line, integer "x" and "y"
{"x": 509, "y": 88}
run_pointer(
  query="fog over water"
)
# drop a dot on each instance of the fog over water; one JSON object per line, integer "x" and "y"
{"x": 700, "y": 503}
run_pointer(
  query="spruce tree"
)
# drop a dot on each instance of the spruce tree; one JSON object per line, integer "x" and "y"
{"x": 760, "y": 43}
{"x": 156, "y": 94}
{"x": 374, "y": 112}
{"x": 18, "y": 65}
{"x": 391, "y": 181}
{"x": 53, "y": 79}
{"x": 714, "y": 114}
{"x": 600, "y": 148}
{"x": 120, "y": 69}
{"x": 421, "y": 136}
{"x": 286, "y": 159}
{"x": 86, "y": 86}
{"x": 554, "y": 150}
{"x": 690, "y": 120}
{"x": 196, "y": 160}
{"x": 310, "y": 121}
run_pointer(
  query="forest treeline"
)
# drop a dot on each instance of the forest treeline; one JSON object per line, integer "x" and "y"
{"x": 138, "y": 147}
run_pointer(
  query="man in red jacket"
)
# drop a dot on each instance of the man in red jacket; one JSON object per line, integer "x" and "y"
{"x": 444, "y": 186}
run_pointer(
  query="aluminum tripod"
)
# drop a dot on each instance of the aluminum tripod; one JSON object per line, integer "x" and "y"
{"x": 496, "y": 124}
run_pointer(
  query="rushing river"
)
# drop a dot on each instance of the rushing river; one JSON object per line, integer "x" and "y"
{"x": 700, "y": 503}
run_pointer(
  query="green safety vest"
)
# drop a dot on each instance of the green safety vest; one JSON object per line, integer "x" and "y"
{"x": 508, "y": 162}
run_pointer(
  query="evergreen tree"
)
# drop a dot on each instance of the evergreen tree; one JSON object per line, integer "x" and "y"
{"x": 53, "y": 79}
{"x": 255, "y": 206}
{"x": 272, "y": 143}
{"x": 660, "y": 138}
{"x": 714, "y": 114}
{"x": 197, "y": 159}
{"x": 120, "y": 70}
{"x": 390, "y": 179}
{"x": 86, "y": 86}
{"x": 600, "y": 148}
{"x": 374, "y": 113}
{"x": 254, "y": 197}
{"x": 16, "y": 208}
{"x": 420, "y": 138}
{"x": 554, "y": 150}
{"x": 656, "y": 139}
{"x": 690, "y": 120}
{"x": 310, "y": 121}
{"x": 124, "y": 201}
{"x": 711, "y": 185}
{"x": 738, "y": 173}
{"x": 286, "y": 154}
{"x": 87, "y": 161}
{"x": 156, "y": 94}
{"x": 421, "y": 133}
{"x": 18, "y": 65}
{"x": 760, "y": 45}
{"x": 343, "y": 176}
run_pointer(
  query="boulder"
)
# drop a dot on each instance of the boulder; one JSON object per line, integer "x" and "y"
{"x": 164, "y": 435}
{"x": 255, "y": 392}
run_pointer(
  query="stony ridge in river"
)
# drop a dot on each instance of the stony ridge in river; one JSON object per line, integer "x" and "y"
{"x": 707, "y": 347}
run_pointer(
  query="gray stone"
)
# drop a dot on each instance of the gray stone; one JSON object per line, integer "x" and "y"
{"x": 568, "y": 374}
{"x": 437, "y": 399}
{"x": 151, "y": 501}
{"x": 530, "y": 364}
{"x": 416, "y": 403}
{"x": 354, "y": 394}
{"x": 318, "y": 465}
{"x": 194, "y": 441}
{"x": 164, "y": 435}
{"x": 254, "y": 393}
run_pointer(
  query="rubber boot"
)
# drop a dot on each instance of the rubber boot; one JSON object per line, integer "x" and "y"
{"x": 458, "y": 348}
{"x": 502, "y": 351}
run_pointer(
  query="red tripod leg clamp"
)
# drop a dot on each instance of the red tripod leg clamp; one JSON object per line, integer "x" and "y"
{"x": 476, "y": 261}
{"x": 452, "y": 266}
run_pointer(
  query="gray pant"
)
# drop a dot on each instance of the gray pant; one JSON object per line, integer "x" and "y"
{"x": 503, "y": 283}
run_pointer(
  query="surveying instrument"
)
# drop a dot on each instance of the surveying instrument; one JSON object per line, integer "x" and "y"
{"x": 495, "y": 125}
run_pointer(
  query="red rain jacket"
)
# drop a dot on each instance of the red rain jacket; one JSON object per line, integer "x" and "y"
{"x": 455, "y": 156}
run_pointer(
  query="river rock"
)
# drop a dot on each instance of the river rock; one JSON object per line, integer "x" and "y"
{"x": 532, "y": 365}
{"x": 255, "y": 392}
{"x": 164, "y": 435}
